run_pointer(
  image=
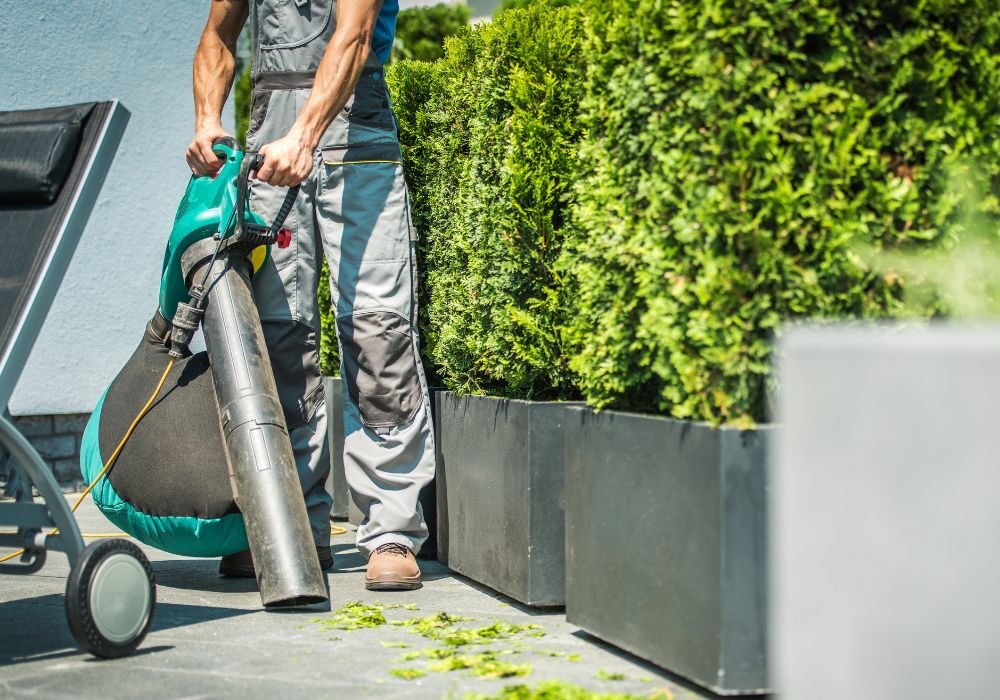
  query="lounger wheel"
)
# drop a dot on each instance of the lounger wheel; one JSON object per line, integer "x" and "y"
{"x": 110, "y": 595}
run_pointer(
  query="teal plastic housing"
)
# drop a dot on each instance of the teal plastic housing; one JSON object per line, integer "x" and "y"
{"x": 207, "y": 206}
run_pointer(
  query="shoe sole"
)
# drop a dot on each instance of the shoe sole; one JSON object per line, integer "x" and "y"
{"x": 237, "y": 573}
{"x": 393, "y": 585}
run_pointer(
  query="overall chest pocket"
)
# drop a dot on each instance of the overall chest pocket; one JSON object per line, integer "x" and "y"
{"x": 286, "y": 24}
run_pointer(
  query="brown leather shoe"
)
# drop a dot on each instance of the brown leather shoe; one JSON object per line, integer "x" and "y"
{"x": 392, "y": 567}
{"x": 240, "y": 565}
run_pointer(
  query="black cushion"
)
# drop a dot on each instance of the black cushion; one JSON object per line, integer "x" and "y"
{"x": 35, "y": 157}
{"x": 29, "y": 229}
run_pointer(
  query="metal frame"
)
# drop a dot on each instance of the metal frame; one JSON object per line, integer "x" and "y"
{"x": 31, "y": 518}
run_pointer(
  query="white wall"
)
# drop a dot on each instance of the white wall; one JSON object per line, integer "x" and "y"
{"x": 139, "y": 51}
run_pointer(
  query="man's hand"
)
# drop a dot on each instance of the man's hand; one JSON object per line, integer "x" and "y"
{"x": 200, "y": 157}
{"x": 287, "y": 162}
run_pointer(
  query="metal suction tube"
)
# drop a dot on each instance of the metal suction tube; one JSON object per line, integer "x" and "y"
{"x": 261, "y": 463}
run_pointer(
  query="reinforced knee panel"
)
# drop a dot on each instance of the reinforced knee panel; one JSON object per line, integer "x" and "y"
{"x": 380, "y": 367}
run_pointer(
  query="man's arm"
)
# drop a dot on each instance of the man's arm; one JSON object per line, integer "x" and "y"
{"x": 214, "y": 65}
{"x": 289, "y": 160}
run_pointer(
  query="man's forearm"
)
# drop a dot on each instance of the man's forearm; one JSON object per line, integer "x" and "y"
{"x": 339, "y": 70}
{"x": 214, "y": 66}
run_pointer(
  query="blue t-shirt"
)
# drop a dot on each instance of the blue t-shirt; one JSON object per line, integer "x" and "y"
{"x": 385, "y": 30}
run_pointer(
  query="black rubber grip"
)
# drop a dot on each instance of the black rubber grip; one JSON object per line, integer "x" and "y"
{"x": 286, "y": 206}
{"x": 254, "y": 161}
{"x": 228, "y": 141}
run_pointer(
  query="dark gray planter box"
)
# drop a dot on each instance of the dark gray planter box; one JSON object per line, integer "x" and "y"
{"x": 500, "y": 494}
{"x": 666, "y": 543}
{"x": 343, "y": 504}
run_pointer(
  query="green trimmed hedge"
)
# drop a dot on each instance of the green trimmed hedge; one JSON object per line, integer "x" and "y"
{"x": 736, "y": 152}
{"x": 421, "y": 31}
{"x": 491, "y": 151}
{"x": 622, "y": 200}
{"x": 529, "y": 4}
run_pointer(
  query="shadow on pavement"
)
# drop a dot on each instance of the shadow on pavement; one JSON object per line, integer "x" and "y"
{"x": 172, "y": 615}
{"x": 199, "y": 575}
{"x": 346, "y": 559}
{"x": 35, "y": 629}
{"x": 532, "y": 610}
{"x": 202, "y": 575}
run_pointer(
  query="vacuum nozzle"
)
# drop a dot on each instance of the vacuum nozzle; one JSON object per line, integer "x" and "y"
{"x": 186, "y": 320}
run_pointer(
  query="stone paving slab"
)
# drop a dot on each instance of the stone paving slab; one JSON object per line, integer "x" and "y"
{"x": 211, "y": 639}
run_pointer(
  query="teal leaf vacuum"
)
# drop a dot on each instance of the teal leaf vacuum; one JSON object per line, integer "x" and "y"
{"x": 209, "y": 469}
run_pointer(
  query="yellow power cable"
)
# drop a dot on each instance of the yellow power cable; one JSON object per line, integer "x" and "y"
{"x": 114, "y": 455}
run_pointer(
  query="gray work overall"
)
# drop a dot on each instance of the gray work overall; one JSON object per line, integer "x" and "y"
{"x": 354, "y": 209}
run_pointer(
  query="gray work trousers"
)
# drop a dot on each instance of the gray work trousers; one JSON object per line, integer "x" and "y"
{"x": 354, "y": 209}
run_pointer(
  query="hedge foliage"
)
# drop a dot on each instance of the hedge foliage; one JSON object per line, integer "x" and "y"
{"x": 624, "y": 199}
{"x": 736, "y": 152}
{"x": 420, "y": 31}
{"x": 490, "y": 134}
{"x": 528, "y": 4}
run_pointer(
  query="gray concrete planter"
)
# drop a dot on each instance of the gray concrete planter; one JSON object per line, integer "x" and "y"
{"x": 500, "y": 494}
{"x": 886, "y": 529}
{"x": 666, "y": 543}
{"x": 336, "y": 484}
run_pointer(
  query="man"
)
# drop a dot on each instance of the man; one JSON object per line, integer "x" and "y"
{"x": 322, "y": 118}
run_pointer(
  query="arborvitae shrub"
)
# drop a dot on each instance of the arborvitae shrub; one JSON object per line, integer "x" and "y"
{"x": 491, "y": 156}
{"x": 526, "y": 4}
{"x": 736, "y": 151}
{"x": 420, "y": 31}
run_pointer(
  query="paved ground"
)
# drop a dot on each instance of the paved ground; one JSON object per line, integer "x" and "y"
{"x": 211, "y": 639}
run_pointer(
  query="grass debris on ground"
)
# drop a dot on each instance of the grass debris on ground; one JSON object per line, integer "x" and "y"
{"x": 487, "y": 663}
{"x": 450, "y": 637}
{"x": 407, "y": 674}
{"x": 609, "y": 676}
{"x": 431, "y": 626}
{"x": 441, "y": 628}
{"x": 355, "y": 615}
{"x": 394, "y": 645}
{"x": 559, "y": 690}
{"x": 484, "y": 665}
